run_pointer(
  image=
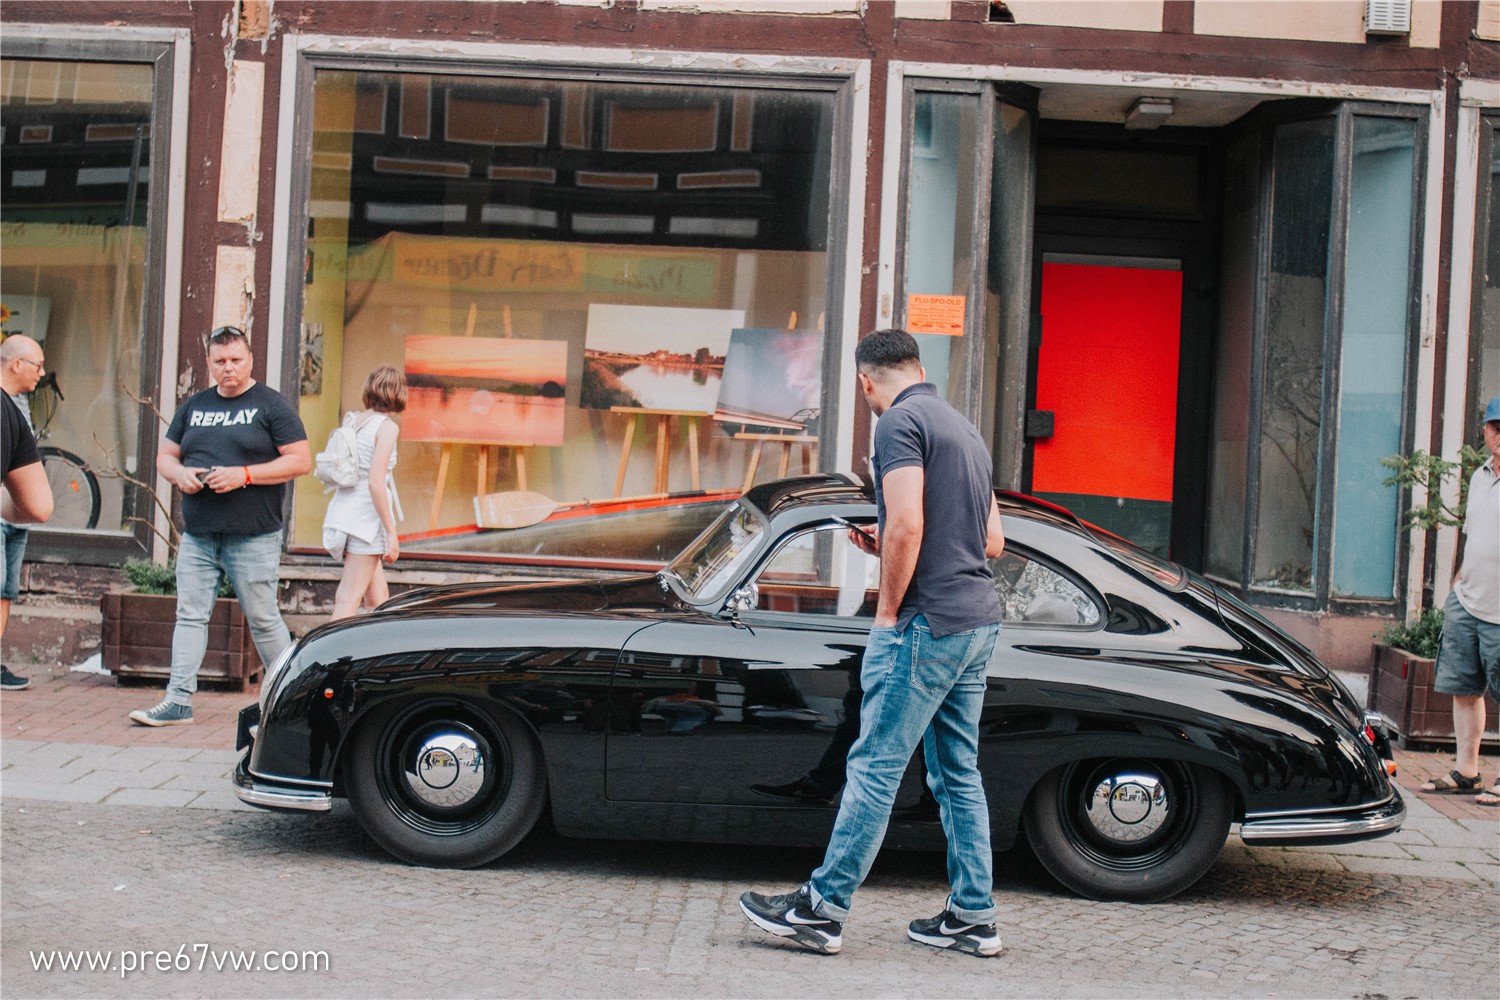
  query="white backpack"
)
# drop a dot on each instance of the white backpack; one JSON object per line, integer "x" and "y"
{"x": 337, "y": 465}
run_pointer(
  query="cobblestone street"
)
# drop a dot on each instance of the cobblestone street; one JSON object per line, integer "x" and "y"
{"x": 118, "y": 838}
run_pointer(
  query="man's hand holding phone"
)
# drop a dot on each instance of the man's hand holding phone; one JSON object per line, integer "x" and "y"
{"x": 866, "y": 539}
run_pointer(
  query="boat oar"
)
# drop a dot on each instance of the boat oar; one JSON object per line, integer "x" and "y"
{"x": 523, "y": 508}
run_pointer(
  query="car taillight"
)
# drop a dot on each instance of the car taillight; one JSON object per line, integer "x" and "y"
{"x": 1370, "y": 735}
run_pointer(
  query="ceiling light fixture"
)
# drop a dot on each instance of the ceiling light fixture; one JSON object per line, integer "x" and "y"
{"x": 1148, "y": 112}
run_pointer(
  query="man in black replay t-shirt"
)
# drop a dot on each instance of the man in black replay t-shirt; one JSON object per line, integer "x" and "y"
{"x": 924, "y": 669}
{"x": 229, "y": 449}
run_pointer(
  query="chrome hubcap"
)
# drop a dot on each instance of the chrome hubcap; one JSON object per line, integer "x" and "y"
{"x": 1128, "y": 808}
{"x": 447, "y": 769}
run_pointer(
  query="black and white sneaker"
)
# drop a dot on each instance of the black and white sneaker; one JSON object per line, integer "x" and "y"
{"x": 947, "y": 931}
{"x": 791, "y": 916}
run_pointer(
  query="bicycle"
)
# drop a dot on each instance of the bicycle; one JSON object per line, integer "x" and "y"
{"x": 75, "y": 488}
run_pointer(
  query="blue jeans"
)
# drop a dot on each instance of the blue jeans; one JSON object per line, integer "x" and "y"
{"x": 916, "y": 687}
{"x": 252, "y": 563}
{"x": 10, "y": 564}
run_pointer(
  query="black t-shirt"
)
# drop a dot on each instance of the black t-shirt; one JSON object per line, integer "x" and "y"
{"x": 951, "y": 584}
{"x": 247, "y": 429}
{"x": 17, "y": 443}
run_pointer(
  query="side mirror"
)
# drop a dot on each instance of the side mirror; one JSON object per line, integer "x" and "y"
{"x": 744, "y": 599}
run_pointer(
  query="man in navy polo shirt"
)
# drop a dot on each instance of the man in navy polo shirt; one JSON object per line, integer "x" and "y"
{"x": 924, "y": 668}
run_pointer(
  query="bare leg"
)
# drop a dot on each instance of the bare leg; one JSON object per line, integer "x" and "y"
{"x": 353, "y": 583}
{"x": 377, "y": 593}
{"x": 1468, "y": 729}
{"x": 4, "y": 614}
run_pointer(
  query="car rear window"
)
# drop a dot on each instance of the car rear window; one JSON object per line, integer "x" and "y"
{"x": 1163, "y": 571}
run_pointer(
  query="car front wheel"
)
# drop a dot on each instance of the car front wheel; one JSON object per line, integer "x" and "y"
{"x": 1128, "y": 829}
{"x": 444, "y": 783}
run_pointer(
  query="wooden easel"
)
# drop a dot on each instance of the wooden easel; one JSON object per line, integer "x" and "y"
{"x": 663, "y": 444}
{"x": 808, "y": 443}
{"x": 484, "y": 484}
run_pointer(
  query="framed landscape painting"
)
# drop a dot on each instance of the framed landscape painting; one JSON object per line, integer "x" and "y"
{"x": 485, "y": 390}
{"x": 655, "y": 357}
{"x": 773, "y": 382}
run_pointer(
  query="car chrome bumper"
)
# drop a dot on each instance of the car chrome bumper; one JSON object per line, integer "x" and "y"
{"x": 1326, "y": 828}
{"x": 258, "y": 792}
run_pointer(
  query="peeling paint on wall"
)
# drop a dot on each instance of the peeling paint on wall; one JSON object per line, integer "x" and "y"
{"x": 239, "y": 158}
{"x": 234, "y": 287}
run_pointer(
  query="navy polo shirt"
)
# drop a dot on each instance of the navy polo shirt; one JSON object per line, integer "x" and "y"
{"x": 951, "y": 584}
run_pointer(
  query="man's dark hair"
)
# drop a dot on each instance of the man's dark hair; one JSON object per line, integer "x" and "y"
{"x": 226, "y": 334}
{"x": 885, "y": 349}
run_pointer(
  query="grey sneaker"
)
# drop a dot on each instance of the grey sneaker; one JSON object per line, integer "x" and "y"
{"x": 165, "y": 713}
{"x": 791, "y": 916}
{"x": 947, "y": 931}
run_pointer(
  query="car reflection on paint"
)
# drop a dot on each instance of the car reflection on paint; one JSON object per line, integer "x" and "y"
{"x": 1135, "y": 711}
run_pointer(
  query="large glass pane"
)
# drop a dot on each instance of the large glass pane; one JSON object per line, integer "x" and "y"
{"x": 1008, "y": 306}
{"x": 1230, "y": 446}
{"x": 1377, "y": 289}
{"x": 940, "y": 235}
{"x": 73, "y": 213}
{"x": 1291, "y": 405}
{"x": 1484, "y": 344}
{"x": 596, "y": 290}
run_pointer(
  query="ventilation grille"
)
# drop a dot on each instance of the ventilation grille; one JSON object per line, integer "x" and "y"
{"x": 1387, "y": 17}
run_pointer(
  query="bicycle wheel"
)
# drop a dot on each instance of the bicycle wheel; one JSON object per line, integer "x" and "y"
{"x": 75, "y": 491}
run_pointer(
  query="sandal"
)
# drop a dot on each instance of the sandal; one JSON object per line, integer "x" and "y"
{"x": 1490, "y": 796}
{"x": 1454, "y": 783}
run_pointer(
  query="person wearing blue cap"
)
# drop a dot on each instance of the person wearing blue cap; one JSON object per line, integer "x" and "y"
{"x": 1469, "y": 653}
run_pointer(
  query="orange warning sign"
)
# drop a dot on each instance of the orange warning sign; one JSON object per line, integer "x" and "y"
{"x": 935, "y": 314}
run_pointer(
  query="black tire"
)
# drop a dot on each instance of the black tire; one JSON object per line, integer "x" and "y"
{"x": 493, "y": 805}
{"x": 1099, "y": 826}
{"x": 75, "y": 491}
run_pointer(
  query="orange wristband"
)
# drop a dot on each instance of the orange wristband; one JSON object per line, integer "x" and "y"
{"x": 247, "y": 475}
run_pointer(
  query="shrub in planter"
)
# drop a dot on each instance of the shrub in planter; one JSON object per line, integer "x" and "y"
{"x": 138, "y": 625}
{"x": 1403, "y": 666}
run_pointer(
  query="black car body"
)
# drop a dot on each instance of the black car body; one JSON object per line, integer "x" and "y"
{"x": 1135, "y": 711}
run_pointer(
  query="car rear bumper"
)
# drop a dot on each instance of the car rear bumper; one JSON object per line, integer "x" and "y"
{"x": 1290, "y": 829}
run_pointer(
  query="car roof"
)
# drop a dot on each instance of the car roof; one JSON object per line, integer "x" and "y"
{"x": 782, "y": 495}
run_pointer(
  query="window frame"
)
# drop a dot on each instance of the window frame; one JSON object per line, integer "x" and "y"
{"x": 1265, "y": 121}
{"x": 166, "y": 52}
{"x": 842, "y": 80}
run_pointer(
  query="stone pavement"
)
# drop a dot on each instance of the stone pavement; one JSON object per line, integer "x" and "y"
{"x": 67, "y": 739}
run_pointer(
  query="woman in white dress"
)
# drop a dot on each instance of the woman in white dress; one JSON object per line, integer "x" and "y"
{"x": 360, "y": 519}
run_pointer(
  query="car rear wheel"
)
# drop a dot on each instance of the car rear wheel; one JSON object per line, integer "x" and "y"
{"x": 1128, "y": 829}
{"x": 445, "y": 783}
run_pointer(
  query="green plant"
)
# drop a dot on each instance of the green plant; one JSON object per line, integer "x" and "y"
{"x": 1420, "y": 637}
{"x": 1429, "y": 473}
{"x": 148, "y": 577}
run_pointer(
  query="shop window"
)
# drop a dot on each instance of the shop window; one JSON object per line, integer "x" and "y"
{"x": 1314, "y": 359}
{"x": 79, "y": 249}
{"x": 611, "y": 294}
{"x": 1484, "y": 330}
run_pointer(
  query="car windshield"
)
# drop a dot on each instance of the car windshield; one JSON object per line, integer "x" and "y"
{"x": 715, "y": 558}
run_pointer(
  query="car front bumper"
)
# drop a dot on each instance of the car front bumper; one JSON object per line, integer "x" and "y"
{"x": 1305, "y": 829}
{"x": 268, "y": 792}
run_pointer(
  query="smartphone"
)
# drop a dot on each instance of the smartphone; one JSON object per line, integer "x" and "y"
{"x": 854, "y": 527}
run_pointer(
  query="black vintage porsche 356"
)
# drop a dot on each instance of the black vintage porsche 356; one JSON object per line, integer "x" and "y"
{"x": 1135, "y": 711}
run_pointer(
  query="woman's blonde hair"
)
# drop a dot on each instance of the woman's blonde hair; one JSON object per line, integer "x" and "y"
{"x": 385, "y": 390}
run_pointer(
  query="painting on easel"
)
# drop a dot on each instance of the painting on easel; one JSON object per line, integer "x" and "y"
{"x": 773, "y": 382}
{"x": 481, "y": 390}
{"x": 655, "y": 357}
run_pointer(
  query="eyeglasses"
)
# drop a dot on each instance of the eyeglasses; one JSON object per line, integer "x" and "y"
{"x": 39, "y": 366}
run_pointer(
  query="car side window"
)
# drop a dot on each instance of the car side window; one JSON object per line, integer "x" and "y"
{"x": 819, "y": 572}
{"x": 1033, "y": 593}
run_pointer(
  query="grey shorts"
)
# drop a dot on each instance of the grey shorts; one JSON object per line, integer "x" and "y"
{"x": 15, "y": 551}
{"x": 1469, "y": 654}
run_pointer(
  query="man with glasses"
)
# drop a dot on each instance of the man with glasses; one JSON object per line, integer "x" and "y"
{"x": 230, "y": 449}
{"x": 21, "y": 366}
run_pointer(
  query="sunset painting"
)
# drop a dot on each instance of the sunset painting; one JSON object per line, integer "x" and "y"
{"x": 655, "y": 357}
{"x": 484, "y": 390}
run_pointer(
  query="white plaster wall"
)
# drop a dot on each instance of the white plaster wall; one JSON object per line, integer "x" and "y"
{"x": 1489, "y": 20}
{"x": 756, "y": 6}
{"x": 234, "y": 287}
{"x": 925, "y": 10}
{"x": 1121, "y": 15}
{"x": 1305, "y": 20}
{"x": 239, "y": 159}
{"x": 1426, "y": 24}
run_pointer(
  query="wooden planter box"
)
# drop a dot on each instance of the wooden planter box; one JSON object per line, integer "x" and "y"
{"x": 137, "y": 640}
{"x": 1401, "y": 690}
